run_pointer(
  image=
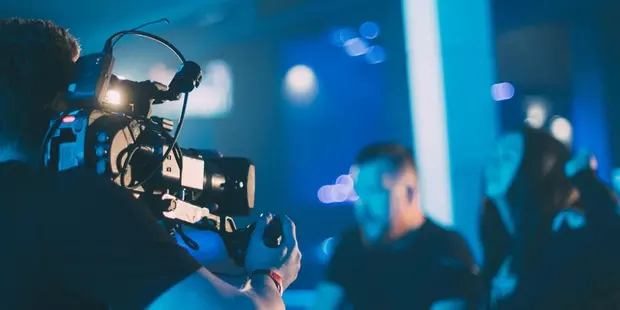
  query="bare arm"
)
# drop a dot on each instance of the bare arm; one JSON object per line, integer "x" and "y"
{"x": 203, "y": 290}
{"x": 130, "y": 262}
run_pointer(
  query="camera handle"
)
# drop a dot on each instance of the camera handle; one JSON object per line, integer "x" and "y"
{"x": 179, "y": 213}
{"x": 177, "y": 209}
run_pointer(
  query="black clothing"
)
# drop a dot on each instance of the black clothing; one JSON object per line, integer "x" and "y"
{"x": 74, "y": 240}
{"x": 581, "y": 268}
{"x": 436, "y": 264}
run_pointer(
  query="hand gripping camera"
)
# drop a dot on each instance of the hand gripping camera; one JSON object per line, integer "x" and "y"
{"x": 108, "y": 128}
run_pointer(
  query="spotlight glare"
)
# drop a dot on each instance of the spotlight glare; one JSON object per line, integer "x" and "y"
{"x": 112, "y": 97}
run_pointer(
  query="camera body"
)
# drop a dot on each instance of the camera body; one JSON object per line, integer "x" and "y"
{"x": 109, "y": 129}
{"x": 127, "y": 150}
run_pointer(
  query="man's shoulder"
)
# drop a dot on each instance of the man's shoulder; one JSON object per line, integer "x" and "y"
{"x": 81, "y": 176}
{"x": 53, "y": 186}
{"x": 83, "y": 181}
{"x": 86, "y": 191}
{"x": 351, "y": 234}
{"x": 345, "y": 259}
{"x": 454, "y": 272}
{"x": 346, "y": 246}
{"x": 450, "y": 247}
{"x": 349, "y": 240}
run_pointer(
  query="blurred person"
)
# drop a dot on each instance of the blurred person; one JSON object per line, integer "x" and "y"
{"x": 534, "y": 223}
{"x": 74, "y": 240}
{"x": 525, "y": 173}
{"x": 395, "y": 258}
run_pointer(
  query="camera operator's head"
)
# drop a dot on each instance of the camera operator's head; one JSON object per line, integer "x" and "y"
{"x": 386, "y": 182}
{"x": 36, "y": 64}
{"x": 525, "y": 187}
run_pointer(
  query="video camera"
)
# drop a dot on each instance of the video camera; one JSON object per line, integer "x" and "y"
{"x": 108, "y": 128}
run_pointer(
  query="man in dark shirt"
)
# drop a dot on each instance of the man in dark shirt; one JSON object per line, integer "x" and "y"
{"x": 396, "y": 258}
{"x": 76, "y": 241}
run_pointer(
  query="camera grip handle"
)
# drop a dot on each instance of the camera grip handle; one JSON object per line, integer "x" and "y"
{"x": 238, "y": 241}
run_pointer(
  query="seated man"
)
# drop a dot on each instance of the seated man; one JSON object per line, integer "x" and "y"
{"x": 396, "y": 258}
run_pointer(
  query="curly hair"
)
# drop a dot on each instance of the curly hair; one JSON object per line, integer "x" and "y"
{"x": 36, "y": 64}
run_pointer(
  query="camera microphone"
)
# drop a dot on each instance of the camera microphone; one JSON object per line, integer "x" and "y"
{"x": 187, "y": 78}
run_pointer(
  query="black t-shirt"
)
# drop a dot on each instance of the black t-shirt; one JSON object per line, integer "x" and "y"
{"x": 436, "y": 264}
{"x": 74, "y": 240}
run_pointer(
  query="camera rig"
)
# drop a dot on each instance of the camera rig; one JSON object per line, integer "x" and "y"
{"x": 108, "y": 128}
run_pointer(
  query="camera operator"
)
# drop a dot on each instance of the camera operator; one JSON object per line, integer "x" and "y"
{"x": 396, "y": 258}
{"x": 74, "y": 240}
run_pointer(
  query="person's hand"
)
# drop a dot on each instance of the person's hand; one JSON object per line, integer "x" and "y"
{"x": 582, "y": 161}
{"x": 504, "y": 283}
{"x": 284, "y": 260}
{"x": 215, "y": 256}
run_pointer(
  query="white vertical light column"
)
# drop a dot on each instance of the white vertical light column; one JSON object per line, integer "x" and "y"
{"x": 450, "y": 66}
{"x": 428, "y": 108}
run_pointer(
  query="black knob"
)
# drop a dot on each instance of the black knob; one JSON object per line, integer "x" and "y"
{"x": 187, "y": 78}
{"x": 273, "y": 233}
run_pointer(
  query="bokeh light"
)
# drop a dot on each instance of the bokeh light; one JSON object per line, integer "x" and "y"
{"x": 328, "y": 246}
{"x": 341, "y": 191}
{"x": 369, "y": 30}
{"x": 301, "y": 84}
{"x": 502, "y": 91}
{"x": 325, "y": 194}
{"x": 326, "y": 249}
{"x": 375, "y": 55}
{"x": 345, "y": 179}
{"x": 562, "y": 129}
{"x": 356, "y": 47}
{"x": 536, "y": 115}
{"x": 357, "y": 43}
{"x": 340, "y": 36}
